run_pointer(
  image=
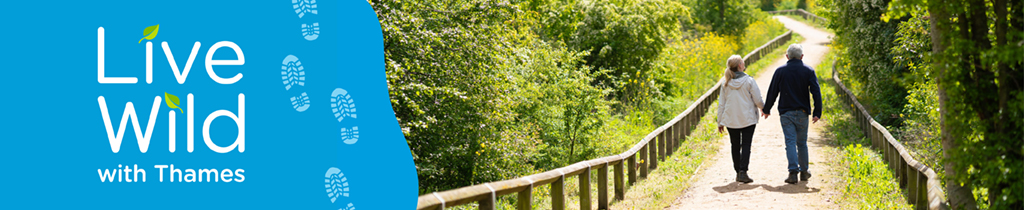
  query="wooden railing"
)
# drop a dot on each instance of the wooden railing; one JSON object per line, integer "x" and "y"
{"x": 922, "y": 185}
{"x": 802, "y": 13}
{"x": 657, "y": 145}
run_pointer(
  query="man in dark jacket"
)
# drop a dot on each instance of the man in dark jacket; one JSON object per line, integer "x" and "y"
{"x": 791, "y": 84}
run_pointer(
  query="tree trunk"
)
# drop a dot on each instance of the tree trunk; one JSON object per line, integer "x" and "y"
{"x": 982, "y": 75}
{"x": 958, "y": 195}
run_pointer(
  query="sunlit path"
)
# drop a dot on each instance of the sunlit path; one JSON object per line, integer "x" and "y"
{"x": 715, "y": 186}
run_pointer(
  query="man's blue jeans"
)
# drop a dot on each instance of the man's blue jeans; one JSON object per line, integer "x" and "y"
{"x": 794, "y": 128}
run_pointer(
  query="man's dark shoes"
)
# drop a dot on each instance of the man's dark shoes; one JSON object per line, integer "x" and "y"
{"x": 792, "y": 177}
{"x": 742, "y": 177}
{"x": 804, "y": 175}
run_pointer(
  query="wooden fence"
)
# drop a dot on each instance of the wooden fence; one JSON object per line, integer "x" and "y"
{"x": 630, "y": 165}
{"x": 802, "y": 13}
{"x": 921, "y": 184}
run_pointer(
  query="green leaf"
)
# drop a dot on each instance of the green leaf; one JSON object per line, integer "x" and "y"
{"x": 173, "y": 102}
{"x": 150, "y": 32}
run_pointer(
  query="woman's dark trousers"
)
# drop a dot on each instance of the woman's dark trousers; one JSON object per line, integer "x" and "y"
{"x": 741, "y": 139}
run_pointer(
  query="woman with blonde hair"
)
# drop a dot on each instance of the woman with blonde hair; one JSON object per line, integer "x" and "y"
{"x": 739, "y": 100}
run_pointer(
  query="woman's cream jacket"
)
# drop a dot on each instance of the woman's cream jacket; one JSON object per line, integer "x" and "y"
{"x": 739, "y": 102}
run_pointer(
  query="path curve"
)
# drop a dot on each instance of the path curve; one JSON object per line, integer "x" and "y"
{"x": 715, "y": 186}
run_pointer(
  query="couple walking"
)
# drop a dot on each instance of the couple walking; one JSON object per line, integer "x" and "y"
{"x": 740, "y": 99}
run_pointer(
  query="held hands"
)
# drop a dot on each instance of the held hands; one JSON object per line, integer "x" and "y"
{"x": 814, "y": 120}
{"x": 721, "y": 129}
{"x": 765, "y": 115}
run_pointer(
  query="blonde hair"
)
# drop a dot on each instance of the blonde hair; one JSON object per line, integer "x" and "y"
{"x": 732, "y": 66}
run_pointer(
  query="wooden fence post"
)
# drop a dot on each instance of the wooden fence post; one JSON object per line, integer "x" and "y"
{"x": 882, "y": 145}
{"x": 686, "y": 127}
{"x": 911, "y": 185}
{"x": 691, "y": 125}
{"x": 904, "y": 168}
{"x": 679, "y": 134}
{"x": 652, "y": 146}
{"x": 558, "y": 194}
{"x": 602, "y": 187}
{"x": 584, "y": 182}
{"x": 489, "y": 202}
{"x": 879, "y": 145}
{"x": 631, "y": 163}
{"x": 864, "y": 129}
{"x": 922, "y": 190}
{"x": 892, "y": 157}
{"x": 662, "y": 141}
{"x": 620, "y": 189}
{"x": 525, "y": 201}
{"x": 888, "y": 151}
{"x": 644, "y": 160}
{"x": 668, "y": 141}
{"x": 893, "y": 161}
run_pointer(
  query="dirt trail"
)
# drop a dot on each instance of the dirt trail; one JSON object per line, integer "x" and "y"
{"x": 715, "y": 186}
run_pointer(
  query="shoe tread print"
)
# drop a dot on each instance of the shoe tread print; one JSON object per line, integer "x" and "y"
{"x": 336, "y": 184}
{"x": 349, "y": 207}
{"x": 342, "y": 104}
{"x": 301, "y": 102}
{"x": 292, "y": 72}
{"x": 311, "y": 31}
{"x": 350, "y": 136}
{"x": 304, "y": 6}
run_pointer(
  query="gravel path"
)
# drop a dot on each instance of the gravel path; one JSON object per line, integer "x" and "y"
{"x": 715, "y": 186}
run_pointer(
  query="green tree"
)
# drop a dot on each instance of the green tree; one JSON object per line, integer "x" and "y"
{"x": 480, "y": 97}
{"x": 447, "y": 76}
{"x": 622, "y": 38}
{"x": 980, "y": 81}
{"x": 724, "y": 17}
{"x": 559, "y": 104}
{"x": 867, "y": 41}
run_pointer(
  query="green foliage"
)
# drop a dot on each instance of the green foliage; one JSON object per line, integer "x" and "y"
{"x": 622, "y": 37}
{"x": 786, "y": 4}
{"x": 558, "y": 104}
{"x": 775, "y": 5}
{"x": 920, "y": 115}
{"x": 760, "y": 32}
{"x": 866, "y": 41}
{"x": 981, "y": 75}
{"x": 448, "y": 122}
{"x": 689, "y": 76}
{"x": 724, "y": 17}
{"x": 488, "y": 91}
{"x": 767, "y": 5}
{"x": 921, "y": 133}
